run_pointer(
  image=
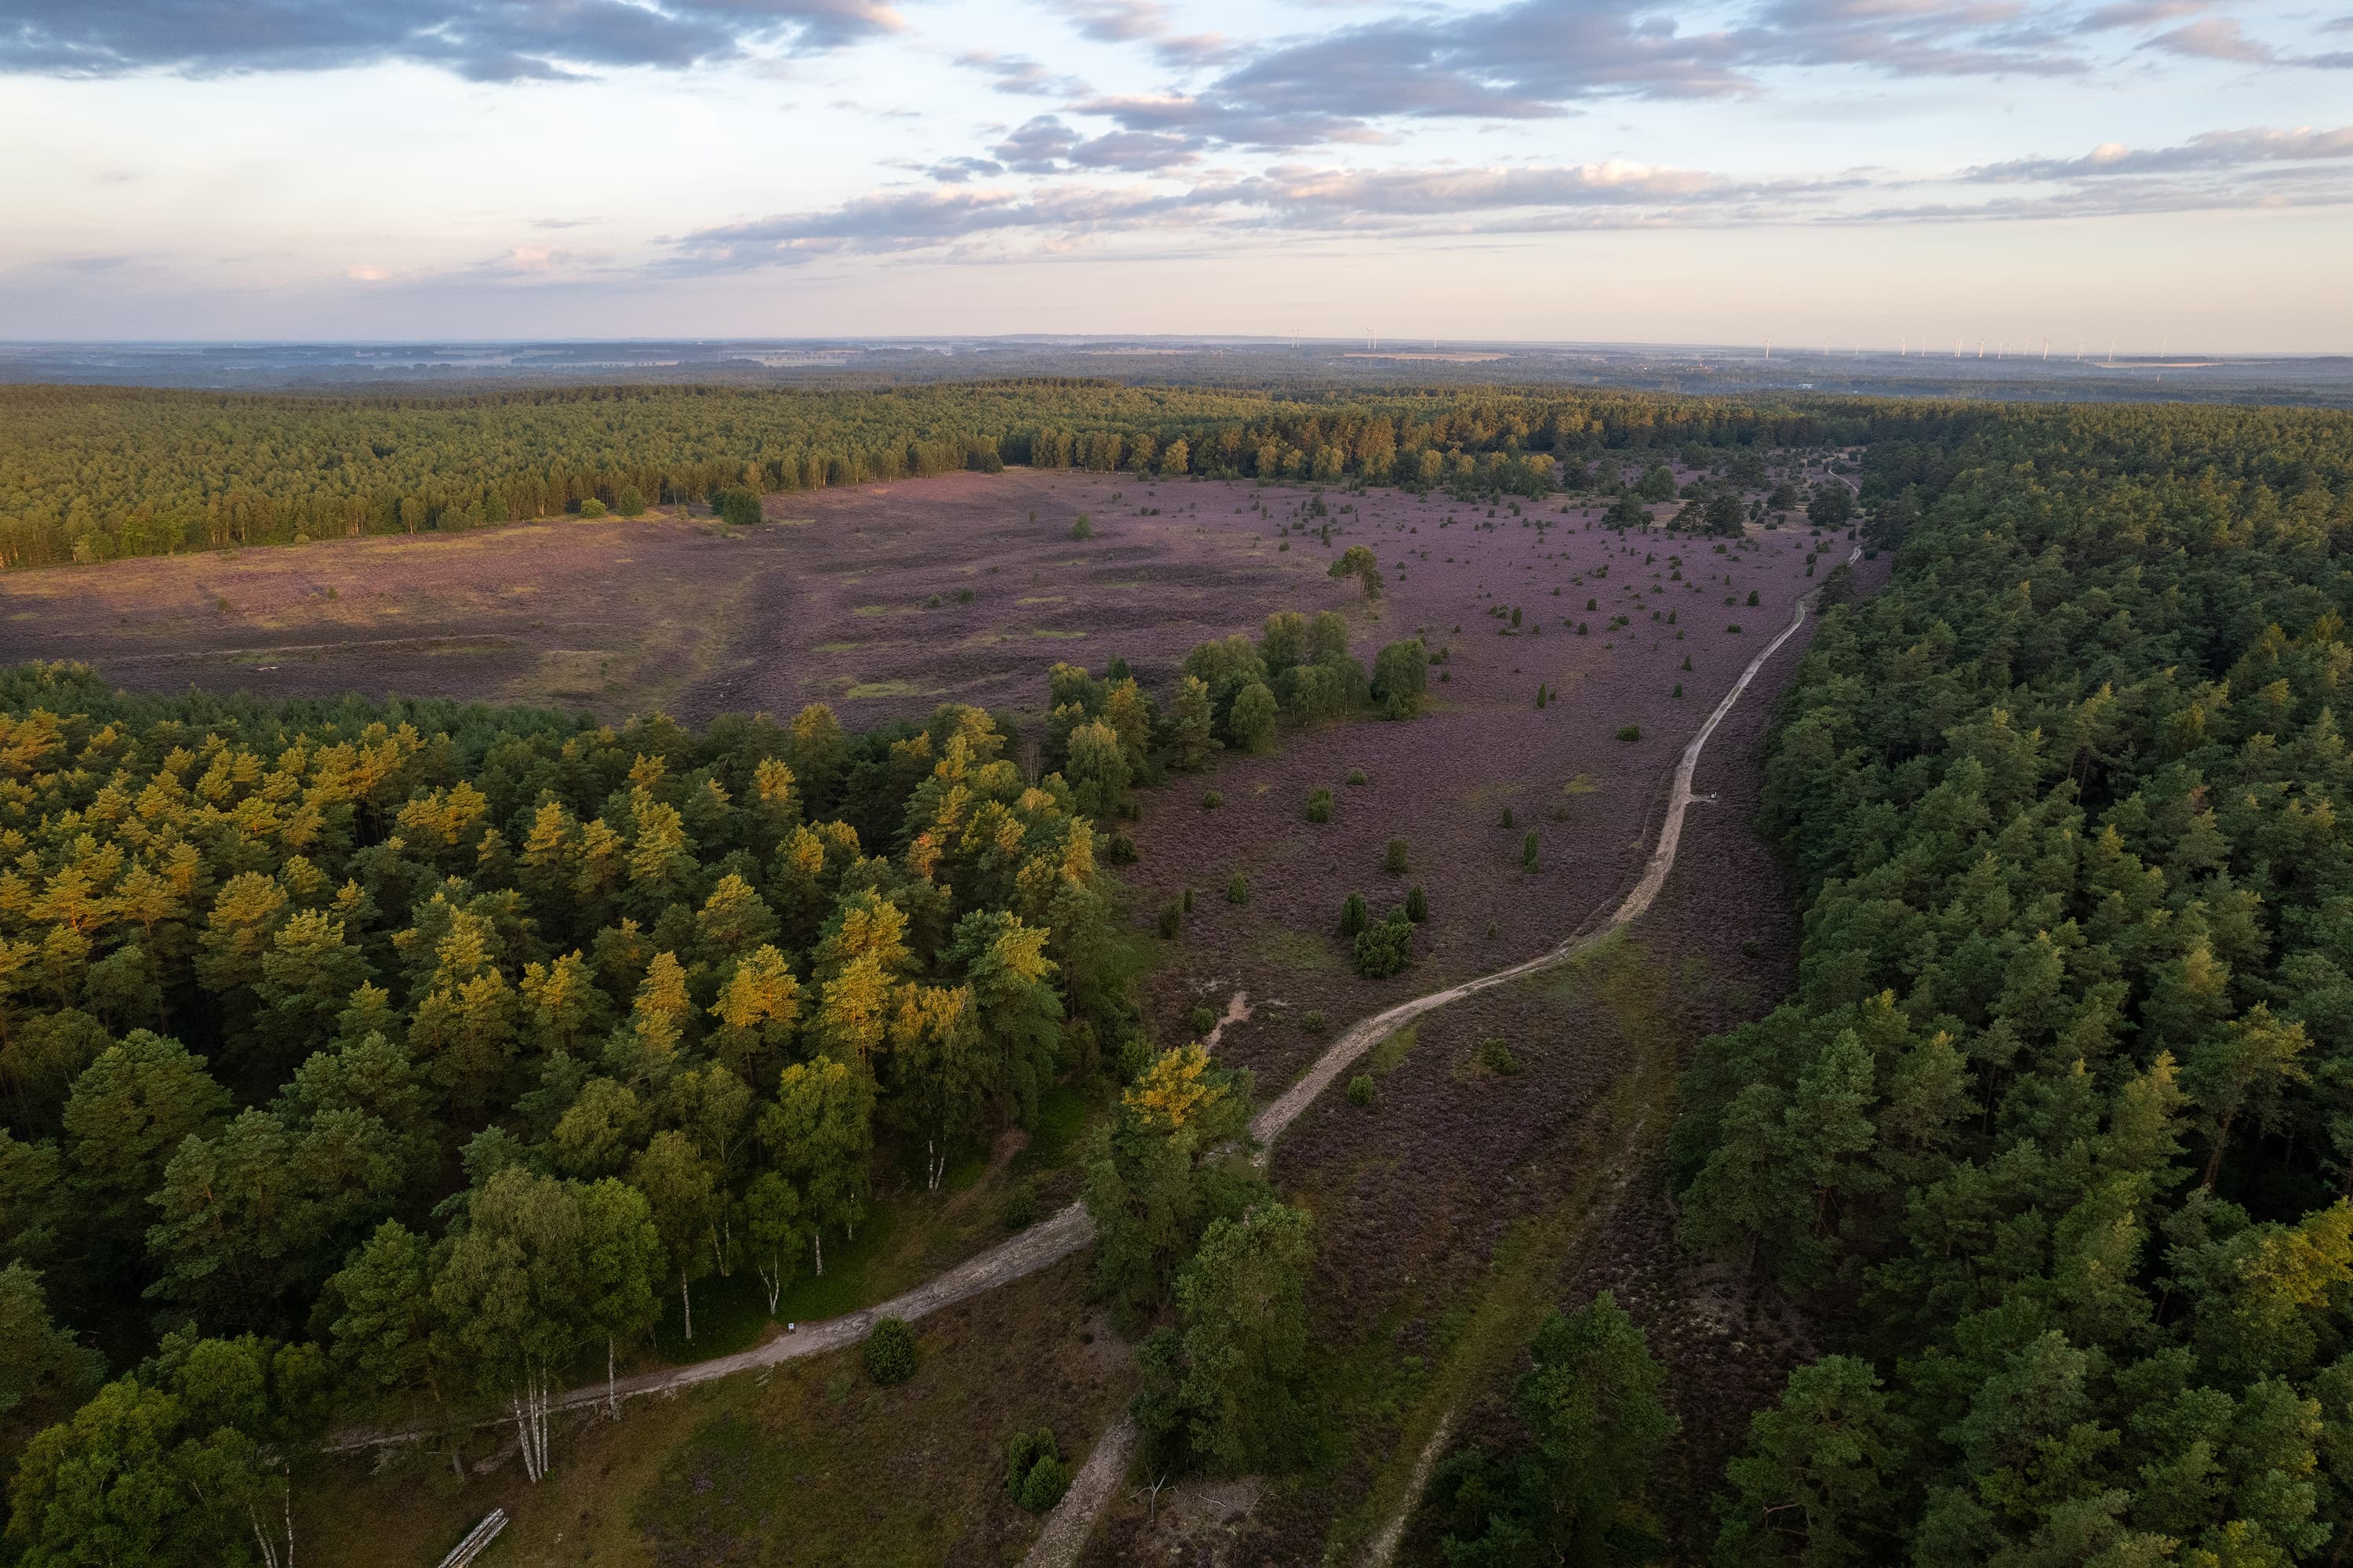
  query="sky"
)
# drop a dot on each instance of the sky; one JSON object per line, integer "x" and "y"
{"x": 2165, "y": 176}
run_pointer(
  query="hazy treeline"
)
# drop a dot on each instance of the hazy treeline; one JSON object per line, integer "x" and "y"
{"x": 96, "y": 473}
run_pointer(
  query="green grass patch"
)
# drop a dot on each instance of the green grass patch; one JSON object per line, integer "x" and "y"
{"x": 884, "y": 689}
{"x": 1059, "y": 636}
{"x": 1385, "y": 1057}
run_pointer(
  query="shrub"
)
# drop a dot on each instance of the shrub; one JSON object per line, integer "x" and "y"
{"x": 1507, "y": 818}
{"x": 1678, "y": 691}
{"x": 1083, "y": 529}
{"x": 1352, "y": 916}
{"x": 630, "y": 503}
{"x": 931, "y": 602}
{"x": 1752, "y": 598}
{"x": 1356, "y": 776}
{"x": 1238, "y": 890}
{"x": 1035, "y": 1476}
{"x": 1630, "y": 732}
{"x": 1021, "y": 1208}
{"x": 1527, "y": 862}
{"x": 963, "y": 596}
{"x": 1497, "y": 1058}
{"x": 1386, "y": 948}
{"x": 1311, "y": 1020}
{"x": 1122, "y": 849}
{"x": 1186, "y": 899}
{"x": 1172, "y": 919}
{"x": 1417, "y": 904}
{"x": 592, "y": 509}
{"x": 1686, "y": 662}
{"x": 1211, "y": 800}
{"x": 890, "y": 1351}
{"x": 1319, "y": 806}
{"x": 1360, "y": 1089}
{"x": 1202, "y": 1019}
{"x": 1394, "y": 861}
{"x": 1733, "y": 626}
{"x": 738, "y": 507}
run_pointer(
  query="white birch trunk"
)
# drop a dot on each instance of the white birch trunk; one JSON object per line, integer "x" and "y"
{"x": 686, "y": 1305}
{"x": 819, "y": 1238}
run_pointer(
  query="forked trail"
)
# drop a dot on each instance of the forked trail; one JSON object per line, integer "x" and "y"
{"x": 1052, "y": 1240}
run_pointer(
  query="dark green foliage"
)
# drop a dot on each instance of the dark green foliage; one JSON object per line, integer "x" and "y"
{"x": 1352, "y": 916}
{"x": 1202, "y": 1019}
{"x": 1752, "y": 598}
{"x": 1212, "y": 799}
{"x": 1122, "y": 850}
{"x": 889, "y": 1353}
{"x": 1311, "y": 1022}
{"x": 1401, "y": 677}
{"x": 1172, "y": 919}
{"x": 1237, "y": 889}
{"x": 1083, "y": 528}
{"x": 1223, "y": 1389}
{"x": 1595, "y": 1424}
{"x": 1528, "y": 853}
{"x": 2057, "y": 1116}
{"x": 1319, "y": 805}
{"x": 629, "y": 502}
{"x": 1035, "y": 1476}
{"x": 1417, "y": 904}
{"x": 1507, "y": 821}
{"x": 1394, "y": 860}
{"x": 1021, "y": 1207}
{"x": 1360, "y": 1089}
{"x": 590, "y": 510}
{"x": 1356, "y": 776}
{"x": 1830, "y": 504}
{"x": 1630, "y": 732}
{"x": 738, "y": 507}
{"x": 1497, "y": 1056}
{"x": 1385, "y": 948}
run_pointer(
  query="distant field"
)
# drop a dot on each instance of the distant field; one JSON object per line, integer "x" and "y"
{"x": 850, "y": 597}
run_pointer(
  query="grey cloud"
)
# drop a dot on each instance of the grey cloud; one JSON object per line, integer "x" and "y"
{"x": 2138, "y": 14}
{"x": 956, "y": 171}
{"x": 1138, "y": 152}
{"x": 2215, "y": 38}
{"x": 1117, "y": 21}
{"x": 1020, "y": 74}
{"x": 2214, "y": 149}
{"x": 482, "y": 40}
{"x": 1038, "y": 146}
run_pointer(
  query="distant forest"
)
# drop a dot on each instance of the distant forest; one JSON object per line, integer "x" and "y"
{"x": 93, "y": 474}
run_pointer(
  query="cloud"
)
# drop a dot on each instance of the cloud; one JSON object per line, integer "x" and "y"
{"x": 482, "y": 40}
{"x": 1146, "y": 22}
{"x": 1138, "y": 152}
{"x": 2213, "y": 150}
{"x": 956, "y": 171}
{"x": 1019, "y": 74}
{"x": 2215, "y": 38}
{"x": 1038, "y": 146}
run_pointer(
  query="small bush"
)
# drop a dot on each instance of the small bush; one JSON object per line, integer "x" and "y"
{"x": 890, "y": 1351}
{"x": 1752, "y": 598}
{"x": 1319, "y": 806}
{"x": 1395, "y": 862}
{"x": 1386, "y": 948}
{"x": 1734, "y": 628}
{"x": 1417, "y": 904}
{"x": 1202, "y": 1019}
{"x": 1312, "y": 1021}
{"x": 1360, "y": 1089}
{"x": 1211, "y": 800}
{"x": 1356, "y": 776}
{"x": 1497, "y": 1058}
{"x": 1035, "y": 1476}
{"x": 1122, "y": 849}
{"x": 1686, "y": 662}
{"x": 1083, "y": 529}
{"x": 1352, "y": 916}
{"x": 963, "y": 596}
{"x": 1238, "y": 890}
{"x": 1630, "y": 732}
{"x": 1678, "y": 691}
{"x": 630, "y": 503}
{"x": 1186, "y": 899}
{"x": 933, "y": 601}
{"x": 1507, "y": 818}
{"x": 1021, "y": 1208}
{"x": 1527, "y": 862}
{"x": 1172, "y": 919}
{"x": 591, "y": 509}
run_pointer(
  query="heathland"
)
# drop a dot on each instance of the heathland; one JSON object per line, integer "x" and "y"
{"x": 378, "y": 1067}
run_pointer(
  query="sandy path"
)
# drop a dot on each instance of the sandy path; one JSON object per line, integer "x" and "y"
{"x": 1073, "y": 1519}
{"x": 1049, "y": 1242}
